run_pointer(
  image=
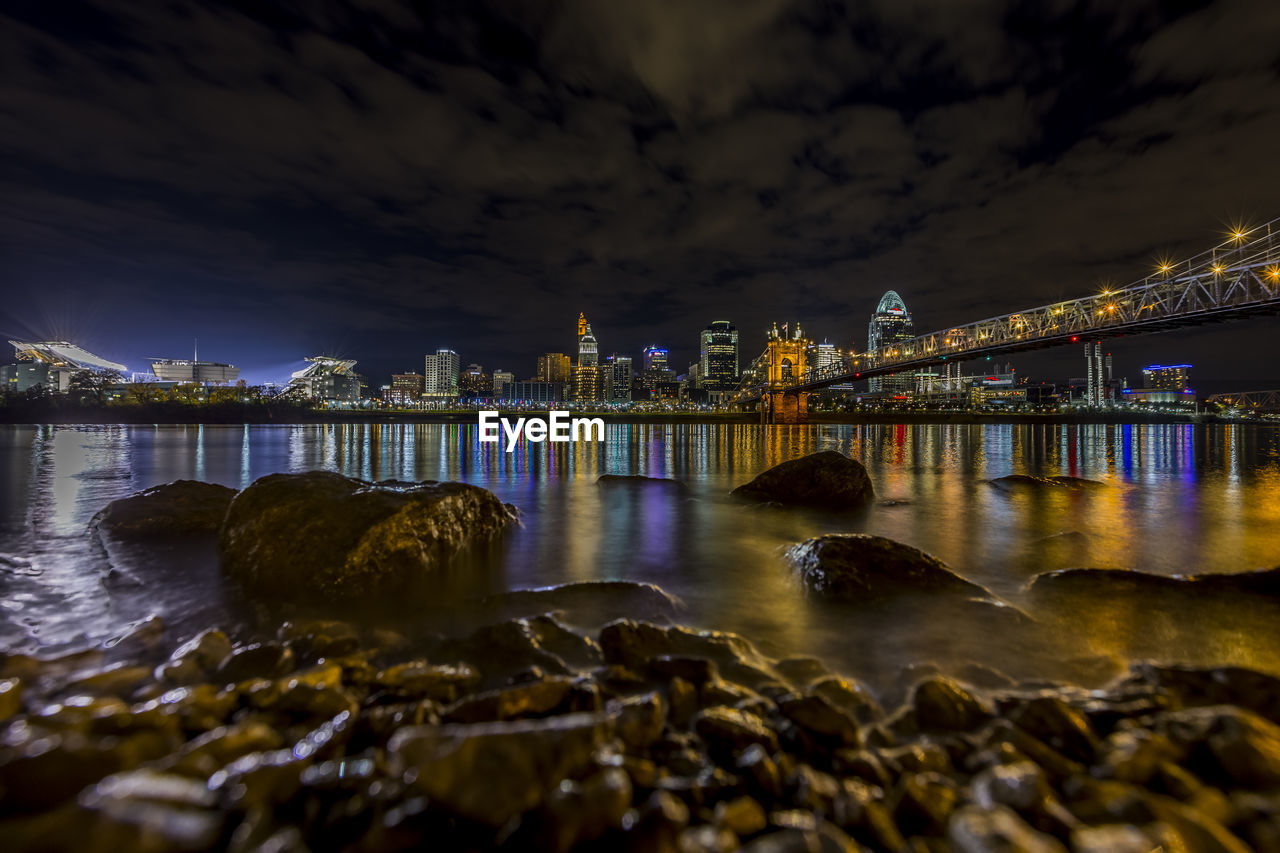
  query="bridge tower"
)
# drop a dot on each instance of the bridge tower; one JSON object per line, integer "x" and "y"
{"x": 786, "y": 358}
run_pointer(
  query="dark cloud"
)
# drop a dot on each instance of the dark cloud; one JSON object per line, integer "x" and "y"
{"x": 386, "y": 178}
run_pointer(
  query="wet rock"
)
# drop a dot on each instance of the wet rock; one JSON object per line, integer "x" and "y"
{"x": 145, "y": 810}
{"x": 320, "y": 535}
{"x": 859, "y": 567}
{"x": 1021, "y": 786}
{"x": 491, "y": 772}
{"x": 800, "y": 669}
{"x": 942, "y": 705}
{"x": 820, "y": 718}
{"x": 638, "y": 720}
{"x": 1235, "y": 747}
{"x": 257, "y": 660}
{"x": 588, "y": 602}
{"x": 259, "y": 779}
{"x": 505, "y": 650}
{"x": 978, "y": 830}
{"x": 683, "y": 699}
{"x": 320, "y": 638}
{"x": 742, "y": 816}
{"x": 827, "y": 479}
{"x": 916, "y": 757}
{"x": 636, "y": 481}
{"x": 180, "y": 508}
{"x": 707, "y": 838}
{"x": 633, "y": 644}
{"x": 660, "y": 821}
{"x": 1228, "y": 685}
{"x": 114, "y": 681}
{"x": 10, "y": 697}
{"x": 1113, "y": 582}
{"x": 849, "y": 696}
{"x": 536, "y": 699}
{"x": 581, "y": 812}
{"x": 40, "y": 769}
{"x": 1062, "y": 727}
{"x": 1112, "y": 838}
{"x": 1014, "y": 481}
{"x": 755, "y": 765}
{"x": 728, "y": 731}
{"x": 218, "y": 747}
{"x": 923, "y": 803}
{"x": 692, "y": 669}
{"x": 419, "y": 679}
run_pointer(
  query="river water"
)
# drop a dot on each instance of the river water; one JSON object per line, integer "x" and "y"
{"x": 1177, "y": 499}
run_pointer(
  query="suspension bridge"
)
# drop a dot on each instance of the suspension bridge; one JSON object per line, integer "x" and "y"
{"x": 1236, "y": 279}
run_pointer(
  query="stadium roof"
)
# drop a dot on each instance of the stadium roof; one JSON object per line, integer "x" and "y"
{"x": 63, "y": 354}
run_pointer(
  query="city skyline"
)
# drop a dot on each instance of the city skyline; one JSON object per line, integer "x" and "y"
{"x": 372, "y": 183}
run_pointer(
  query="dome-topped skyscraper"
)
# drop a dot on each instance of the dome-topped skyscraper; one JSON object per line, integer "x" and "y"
{"x": 890, "y": 324}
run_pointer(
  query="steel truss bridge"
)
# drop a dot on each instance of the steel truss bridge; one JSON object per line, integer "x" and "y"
{"x": 1239, "y": 278}
{"x": 1249, "y": 401}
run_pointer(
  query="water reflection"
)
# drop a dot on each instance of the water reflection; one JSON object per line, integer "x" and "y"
{"x": 1177, "y": 499}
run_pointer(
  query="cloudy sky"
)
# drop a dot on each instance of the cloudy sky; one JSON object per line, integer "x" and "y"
{"x": 378, "y": 179}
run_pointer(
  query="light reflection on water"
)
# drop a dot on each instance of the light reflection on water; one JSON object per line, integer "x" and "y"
{"x": 1178, "y": 499}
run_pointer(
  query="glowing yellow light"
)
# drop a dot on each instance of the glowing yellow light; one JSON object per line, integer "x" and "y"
{"x": 1237, "y": 235}
{"x": 1217, "y": 269}
{"x": 1165, "y": 267}
{"x": 1111, "y": 307}
{"x": 1273, "y": 272}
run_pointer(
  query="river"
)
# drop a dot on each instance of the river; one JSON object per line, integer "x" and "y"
{"x": 1177, "y": 499}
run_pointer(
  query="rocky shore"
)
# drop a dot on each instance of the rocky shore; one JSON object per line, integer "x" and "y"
{"x": 528, "y": 734}
{"x": 539, "y": 727}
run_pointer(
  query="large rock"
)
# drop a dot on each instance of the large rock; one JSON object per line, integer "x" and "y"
{"x": 826, "y": 479}
{"x": 587, "y": 602}
{"x": 861, "y": 567}
{"x": 180, "y": 508}
{"x": 323, "y": 535}
{"x": 492, "y": 772}
{"x": 1011, "y": 481}
{"x": 1124, "y": 581}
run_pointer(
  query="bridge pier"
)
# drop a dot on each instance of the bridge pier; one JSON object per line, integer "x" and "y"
{"x": 784, "y": 407}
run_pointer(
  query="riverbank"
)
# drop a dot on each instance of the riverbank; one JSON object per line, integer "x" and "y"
{"x": 534, "y": 734}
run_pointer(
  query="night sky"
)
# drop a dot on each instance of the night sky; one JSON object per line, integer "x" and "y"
{"x": 375, "y": 180}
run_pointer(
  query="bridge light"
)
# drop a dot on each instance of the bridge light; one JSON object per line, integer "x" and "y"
{"x": 1273, "y": 273}
{"x": 1165, "y": 267}
{"x": 1217, "y": 269}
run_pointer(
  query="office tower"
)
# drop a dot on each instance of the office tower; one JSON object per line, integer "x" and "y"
{"x": 588, "y": 378}
{"x": 441, "y": 374}
{"x": 619, "y": 376}
{"x": 406, "y": 388}
{"x": 554, "y": 367}
{"x": 890, "y": 324}
{"x": 502, "y": 381}
{"x": 718, "y": 365}
{"x": 655, "y": 360}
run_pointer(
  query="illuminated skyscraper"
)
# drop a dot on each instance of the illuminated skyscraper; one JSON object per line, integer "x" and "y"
{"x": 554, "y": 367}
{"x": 502, "y": 382}
{"x": 718, "y": 365}
{"x": 588, "y": 379}
{"x": 619, "y": 377}
{"x": 890, "y": 324}
{"x": 588, "y": 350}
{"x": 655, "y": 359}
{"x": 441, "y": 374}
